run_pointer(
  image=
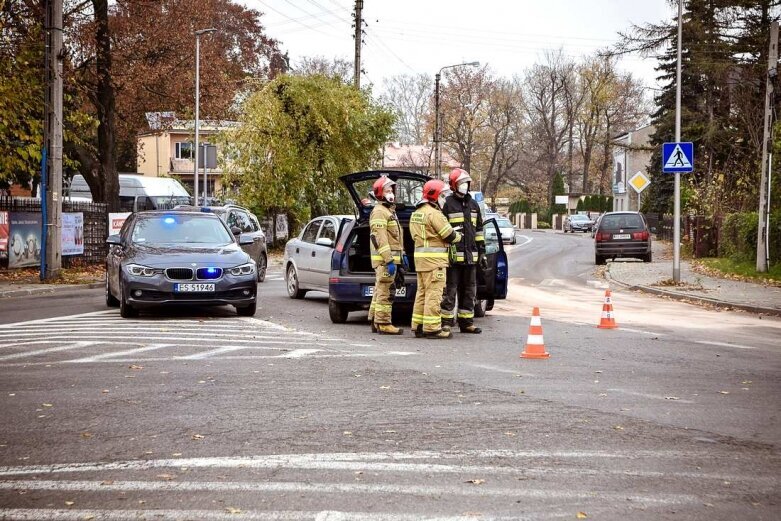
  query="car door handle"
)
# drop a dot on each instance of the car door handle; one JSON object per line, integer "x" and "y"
{"x": 314, "y": 253}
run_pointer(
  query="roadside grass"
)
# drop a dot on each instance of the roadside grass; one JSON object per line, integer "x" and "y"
{"x": 80, "y": 274}
{"x": 738, "y": 270}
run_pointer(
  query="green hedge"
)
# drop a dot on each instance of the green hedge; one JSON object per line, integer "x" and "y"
{"x": 738, "y": 237}
{"x": 542, "y": 225}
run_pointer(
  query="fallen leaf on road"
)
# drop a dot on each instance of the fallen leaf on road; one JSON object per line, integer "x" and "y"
{"x": 723, "y": 392}
{"x": 390, "y": 431}
{"x": 104, "y": 391}
{"x": 136, "y": 367}
{"x": 69, "y": 503}
{"x": 176, "y": 454}
{"x": 359, "y": 472}
{"x": 581, "y": 515}
{"x": 475, "y": 481}
{"x": 86, "y": 434}
{"x": 618, "y": 427}
{"x": 197, "y": 436}
{"x": 167, "y": 477}
{"x": 744, "y": 382}
{"x": 232, "y": 510}
{"x": 47, "y": 405}
{"x": 671, "y": 398}
{"x": 385, "y": 387}
{"x": 509, "y": 434}
{"x": 107, "y": 482}
{"x": 347, "y": 433}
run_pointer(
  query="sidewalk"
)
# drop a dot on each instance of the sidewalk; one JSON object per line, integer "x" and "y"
{"x": 656, "y": 278}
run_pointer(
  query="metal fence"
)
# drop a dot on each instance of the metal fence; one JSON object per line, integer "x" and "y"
{"x": 95, "y": 225}
{"x": 702, "y": 232}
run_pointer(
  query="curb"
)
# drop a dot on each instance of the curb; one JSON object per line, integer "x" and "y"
{"x": 50, "y": 290}
{"x": 695, "y": 299}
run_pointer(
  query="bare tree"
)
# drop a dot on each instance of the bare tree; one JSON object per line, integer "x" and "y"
{"x": 410, "y": 97}
{"x": 333, "y": 68}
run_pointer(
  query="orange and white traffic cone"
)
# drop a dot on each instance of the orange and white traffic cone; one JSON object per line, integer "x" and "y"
{"x": 608, "y": 320}
{"x": 535, "y": 346}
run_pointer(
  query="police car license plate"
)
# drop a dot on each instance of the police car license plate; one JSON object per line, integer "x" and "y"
{"x": 368, "y": 291}
{"x": 193, "y": 288}
{"x": 619, "y": 236}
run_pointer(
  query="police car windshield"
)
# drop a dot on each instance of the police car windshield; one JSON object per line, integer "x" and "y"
{"x": 180, "y": 229}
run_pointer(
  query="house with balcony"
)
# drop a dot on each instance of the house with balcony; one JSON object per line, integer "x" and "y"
{"x": 167, "y": 150}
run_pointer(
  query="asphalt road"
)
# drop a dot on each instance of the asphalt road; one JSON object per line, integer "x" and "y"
{"x": 205, "y": 415}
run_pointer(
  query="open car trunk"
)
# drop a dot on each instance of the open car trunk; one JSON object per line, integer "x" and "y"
{"x": 359, "y": 249}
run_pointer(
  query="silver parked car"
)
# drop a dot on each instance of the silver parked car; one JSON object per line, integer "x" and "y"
{"x": 307, "y": 259}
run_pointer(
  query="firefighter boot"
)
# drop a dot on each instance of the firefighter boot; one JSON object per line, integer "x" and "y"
{"x": 470, "y": 328}
{"x": 438, "y": 334}
{"x": 374, "y": 327}
{"x": 418, "y": 331}
{"x": 388, "y": 329}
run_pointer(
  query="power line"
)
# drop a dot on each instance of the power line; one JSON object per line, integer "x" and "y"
{"x": 280, "y": 13}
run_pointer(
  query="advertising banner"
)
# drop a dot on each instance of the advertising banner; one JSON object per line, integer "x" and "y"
{"x": 115, "y": 222}
{"x": 4, "y": 229}
{"x": 72, "y": 233}
{"x": 619, "y": 172}
{"x": 24, "y": 246}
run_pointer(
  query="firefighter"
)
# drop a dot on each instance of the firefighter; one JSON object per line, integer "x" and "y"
{"x": 463, "y": 213}
{"x": 386, "y": 255}
{"x": 432, "y": 234}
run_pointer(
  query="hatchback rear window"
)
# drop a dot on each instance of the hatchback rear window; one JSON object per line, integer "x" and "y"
{"x": 623, "y": 221}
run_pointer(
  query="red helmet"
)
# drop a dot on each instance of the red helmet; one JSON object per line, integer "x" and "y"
{"x": 379, "y": 186}
{"x": 458, "y": 175}
{"x": 432, "y": 190}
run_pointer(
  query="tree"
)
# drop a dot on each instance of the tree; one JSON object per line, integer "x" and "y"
{"x": 296, "y": 136}
{"x": 335, "y": 68}
{"x": 409, "y": 98}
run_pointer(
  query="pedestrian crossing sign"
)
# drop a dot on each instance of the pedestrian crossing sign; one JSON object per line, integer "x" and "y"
{"x": 677, "y": 157}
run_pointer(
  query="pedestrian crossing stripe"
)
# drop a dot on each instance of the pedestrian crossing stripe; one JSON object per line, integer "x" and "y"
{"x": 677, "y": 157}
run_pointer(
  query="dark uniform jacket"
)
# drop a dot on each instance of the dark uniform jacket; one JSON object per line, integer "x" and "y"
{"x": 464, "y": 211}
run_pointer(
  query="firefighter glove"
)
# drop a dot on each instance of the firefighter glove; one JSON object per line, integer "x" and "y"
{"x": 405, "y": 262}
{"x": 482, "y": 261}
{"x": 391, "y": 267}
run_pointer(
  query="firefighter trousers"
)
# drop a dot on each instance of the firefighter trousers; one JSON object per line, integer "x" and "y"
{"x": 461, "y": 286}
{"x": 428, "y": 300}
{"x": 382, "y": 300}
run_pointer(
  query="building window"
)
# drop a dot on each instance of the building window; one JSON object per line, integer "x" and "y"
{"x": 184, "y": 150}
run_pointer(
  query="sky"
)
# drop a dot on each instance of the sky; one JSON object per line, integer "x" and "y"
{"x": 421, "y": 36}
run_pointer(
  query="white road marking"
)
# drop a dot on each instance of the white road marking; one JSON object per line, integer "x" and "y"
{"x": 640, "y": 331}
{"x": 723, "y": 344}
{"x": 54, "y": 319}
{"x": 298, "y": 353}
{"x": 66, "y": 347}
{"x": 335, "y": 488}
{"x": 115, "y": 354}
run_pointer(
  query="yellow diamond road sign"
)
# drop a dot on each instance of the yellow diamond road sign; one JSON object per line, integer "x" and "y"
{"x": 639, "y": 182}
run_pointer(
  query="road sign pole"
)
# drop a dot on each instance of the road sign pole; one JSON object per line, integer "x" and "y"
{"x": 677, "y": 194}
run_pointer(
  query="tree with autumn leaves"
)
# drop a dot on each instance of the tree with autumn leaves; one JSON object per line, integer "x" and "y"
{"x": 123, "y": 59}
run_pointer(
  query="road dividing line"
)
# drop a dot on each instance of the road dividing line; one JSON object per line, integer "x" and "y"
{"x": 723, "y": 344}
{"x": 299, "y": 353}
{"x": 115, "y": 354}
{"x": 640, "y": 331}
{"x": 54, "y": 319}
{"x": 652, "y": 396}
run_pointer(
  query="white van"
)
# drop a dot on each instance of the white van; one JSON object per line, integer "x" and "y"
{"x": 138, "y": 193}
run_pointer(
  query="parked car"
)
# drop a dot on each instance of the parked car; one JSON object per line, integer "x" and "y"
{"x": 578, "y": 223}
{"x": 351, "y": 281}
{"x": 241, "y": 222}
{"x": 596, "y": 225}
{"x": 137, "y": 192}
{"x": 622, "y": 234}
{"x": 506, "y": 230}
{"x": 307, "y": 258}
{"x": 176, "y": 257}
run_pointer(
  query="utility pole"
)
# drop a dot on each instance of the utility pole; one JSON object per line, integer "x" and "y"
{"x": 358, "y": 35}
{"x": 437, "y": 138}
{"x": 53, "y": 171}
{"x": 677, "y": 194}
{"x": 763, "y": 224}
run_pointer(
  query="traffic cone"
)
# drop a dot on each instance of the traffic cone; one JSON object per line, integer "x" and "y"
{"x": 535, "y": 347}
{"x": 608, "y": 320}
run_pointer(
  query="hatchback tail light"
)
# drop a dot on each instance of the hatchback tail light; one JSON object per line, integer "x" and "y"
{"x": 601, "y": 236}
{"x": 334, "y": 280}
{"x": 640, "y": 236}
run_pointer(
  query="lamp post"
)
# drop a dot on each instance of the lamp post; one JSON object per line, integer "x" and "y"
{"x": 437, "y": 125}
{"x": 197, "y": 100}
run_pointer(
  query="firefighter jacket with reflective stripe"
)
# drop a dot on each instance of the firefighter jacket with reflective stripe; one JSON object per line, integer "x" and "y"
{"x": 464, "y": 211}
{"x": 431, "y": 233}
{"x": 386, "y": 235}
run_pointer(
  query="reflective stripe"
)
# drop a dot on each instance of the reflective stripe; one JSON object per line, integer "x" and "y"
{"x": 474, "y": 221}
{"x": 460, "y": 256}
{"x": 479, "y": 236}
{"x": 377, "y": 258}
{"x": 456, "y": 220}
{"x": 466, "y": 314}
{"x": 535, "y": 340}
{"x": 383, "y": 249}
{"x": 383, "y": 307}
{"x": 447, "y": 314}
{"x": 430, "y": 250}
{"x": 445, "y": 231}
{"x": 378, "y": 222}
{"x": 455, "y": 215}
{"x": 431, "y": 319}
{"x": 442, "y": 255}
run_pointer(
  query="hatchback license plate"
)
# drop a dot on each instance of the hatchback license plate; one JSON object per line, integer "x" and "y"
{"x": 368, "y": 291}
{"x": 193, "y": 288}
{"x": 619, "y": 236}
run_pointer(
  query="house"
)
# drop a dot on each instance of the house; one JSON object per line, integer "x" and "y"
{"x": 631, "y": 154}
{"x": 166, "y": 150}
{"x": 415, "y": 158}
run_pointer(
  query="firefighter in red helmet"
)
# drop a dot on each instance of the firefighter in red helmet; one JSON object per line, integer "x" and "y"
{"x": 462, "y": 212}
{"x": 386, "y": 255}
{"x": 432, "y": 234}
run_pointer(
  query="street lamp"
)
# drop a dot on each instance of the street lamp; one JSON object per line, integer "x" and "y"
{"x": 197, "y": 101}
{"x": 437, "y": 129}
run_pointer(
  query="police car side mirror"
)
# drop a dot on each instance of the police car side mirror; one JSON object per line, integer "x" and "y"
{"x": 235, "y": 230}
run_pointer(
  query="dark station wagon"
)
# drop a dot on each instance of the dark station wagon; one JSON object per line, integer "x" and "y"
{"x": 622, "y": 234}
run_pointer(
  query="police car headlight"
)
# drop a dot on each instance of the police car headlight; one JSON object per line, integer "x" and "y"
{"x": 244, "y": 269}
{"x": 140, "y": 271}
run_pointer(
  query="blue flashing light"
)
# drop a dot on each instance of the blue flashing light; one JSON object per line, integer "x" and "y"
{"x": 169, "y": 220}
{"x": 206, "y": 210}
{"x": 211, "y": 271}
